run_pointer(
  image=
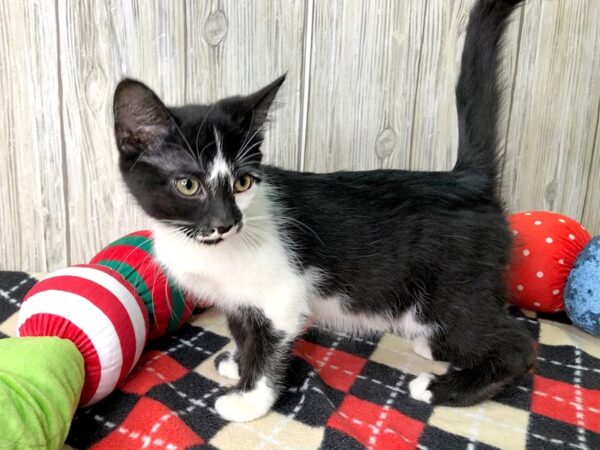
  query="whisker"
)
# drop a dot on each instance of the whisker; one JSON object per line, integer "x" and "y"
{"x": 138, "y": 158}
{"x": 241, "y": 158}
{"x": 182, "y": 135}
{"x": 306, "y": 227}
{"x": 200, "y": 128}
{"x": 180, "y": 147}
{"x": 248, "y": 142}
{"x": 249, "y": 128}
{"x": 135, "y": 247}
{"x": 206, "y": 146}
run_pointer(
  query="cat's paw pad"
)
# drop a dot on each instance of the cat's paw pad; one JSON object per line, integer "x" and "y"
{"x": 419, "y": 387}
{"x": 421, "y": 347}
{"x": 243, "y": 406}
{"x": 227, "y": 367}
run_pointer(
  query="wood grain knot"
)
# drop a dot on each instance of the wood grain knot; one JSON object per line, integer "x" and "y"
{"x": 386, "y": 142}
{"x": 215, "y": 27}
{"x": 96, "y": 89}
{"x": 551, "y": 191}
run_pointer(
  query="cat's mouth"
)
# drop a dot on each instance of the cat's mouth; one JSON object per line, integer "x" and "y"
{"x": 217, "y": 237}
{"x": 209, "y": 241}
{"x": 194, "y": 232}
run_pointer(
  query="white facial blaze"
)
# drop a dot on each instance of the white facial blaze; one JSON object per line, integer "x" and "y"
{"x": 219, "y": 167}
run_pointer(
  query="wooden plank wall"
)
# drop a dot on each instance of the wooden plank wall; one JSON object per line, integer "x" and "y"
{"x": 370, "y": 85}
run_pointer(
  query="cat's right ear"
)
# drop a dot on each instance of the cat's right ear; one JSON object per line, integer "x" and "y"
{"x": 142, "y": 121}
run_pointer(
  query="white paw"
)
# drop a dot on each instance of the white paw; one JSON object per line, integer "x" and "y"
{"x": 418, "y": 387}
{"x": 229, "y": 369}
{"x": 246, "y": 406}
{"x": 421, "y": 347}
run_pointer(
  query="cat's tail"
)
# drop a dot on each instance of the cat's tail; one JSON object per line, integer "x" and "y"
{"x": 477, "y": 93}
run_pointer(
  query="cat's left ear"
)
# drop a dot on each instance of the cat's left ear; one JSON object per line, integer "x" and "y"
{"x": 142, "y": 121}
{"x": 255, "y": 109}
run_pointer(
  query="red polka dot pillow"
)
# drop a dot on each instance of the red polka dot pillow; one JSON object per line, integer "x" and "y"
{"x": 545, "y": 249}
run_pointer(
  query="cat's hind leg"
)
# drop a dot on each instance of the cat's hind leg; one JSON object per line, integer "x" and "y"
{"x": 491, "y": 354}
{"x": 421, "y": 347}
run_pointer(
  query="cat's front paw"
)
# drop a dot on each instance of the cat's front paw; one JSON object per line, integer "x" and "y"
{"x": 244, "y": 406}
{"x": 227, "y": 366}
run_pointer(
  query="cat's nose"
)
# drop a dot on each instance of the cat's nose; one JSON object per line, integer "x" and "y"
{"x": 224, "y": 229}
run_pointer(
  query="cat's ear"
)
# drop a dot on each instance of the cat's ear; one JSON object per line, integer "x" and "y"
{"x": 255, "y": 107}
{"x": 142, "y": 121}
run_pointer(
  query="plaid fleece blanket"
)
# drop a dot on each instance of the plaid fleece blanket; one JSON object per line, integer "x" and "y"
{"x": 342, "y": 394}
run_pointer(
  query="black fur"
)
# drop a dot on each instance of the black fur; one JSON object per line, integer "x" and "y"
{"x": 261, "y": 349}
{"x": 158, "y": 145}
{"x": 387, "y": 240}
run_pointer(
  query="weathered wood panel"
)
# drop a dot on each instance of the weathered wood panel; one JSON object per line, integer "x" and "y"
{"x": 234, "y": 49}
{"x": 434, "y": 141}
{"x": 363, "y": 73}
{"x": 382, "y": 84}
{"x": 591, "y": 207}
{"x": 555, "y": 109}
{"x": 32, "y": 212}
{"x": 101, "y": 42}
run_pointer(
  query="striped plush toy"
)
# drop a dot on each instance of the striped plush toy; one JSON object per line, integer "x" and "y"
{"x": 132, "y": 257}
{"x": 97, "y": 317}
{"x": 99, "y": 312}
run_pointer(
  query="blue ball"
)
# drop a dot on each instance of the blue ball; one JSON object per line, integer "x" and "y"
{"x": 582, "y": 294}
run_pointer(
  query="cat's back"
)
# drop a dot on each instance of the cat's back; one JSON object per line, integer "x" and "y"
{"x": 382, "y": 188}
{"x": 377, "y": 231}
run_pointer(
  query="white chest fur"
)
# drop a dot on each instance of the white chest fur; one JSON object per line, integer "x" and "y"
{"x": 251, "y": 270}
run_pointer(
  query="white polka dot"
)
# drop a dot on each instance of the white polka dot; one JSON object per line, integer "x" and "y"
{"x": 537, "y": 222}
{"x": 527, "y": 214}
{"x": 572, "y": 237}
{"x": 556, "y": 291}
{"x": 536, "y": 303}
{"x": 562, "y": 220}
{"x": 549, "y": 240}
{"x": 515, "y": 232}
{"x": 525, "y": 252}
{"x": 540, "y": 274}
{"x": 520, "y": 287}
{"x": 561, "y": 261}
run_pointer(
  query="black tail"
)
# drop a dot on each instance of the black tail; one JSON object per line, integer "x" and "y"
{"x": 477, "y": 93}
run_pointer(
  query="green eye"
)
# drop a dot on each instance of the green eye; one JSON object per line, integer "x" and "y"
{"x": 187, "y": 186}
{"x": 243, "y": 183}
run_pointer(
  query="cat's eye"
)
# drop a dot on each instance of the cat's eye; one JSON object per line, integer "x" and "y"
{"x": 243, "y": 183}
{"x": 187, "y": 186}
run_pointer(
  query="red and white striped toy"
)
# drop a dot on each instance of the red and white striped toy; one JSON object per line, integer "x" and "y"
{"x": 99, "y": 311}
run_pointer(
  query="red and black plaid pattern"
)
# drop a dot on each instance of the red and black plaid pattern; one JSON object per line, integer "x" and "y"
{"x": 342, "y": 394}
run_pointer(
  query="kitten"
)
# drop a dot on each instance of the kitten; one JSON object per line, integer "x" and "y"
{"x": 420, "y": 254}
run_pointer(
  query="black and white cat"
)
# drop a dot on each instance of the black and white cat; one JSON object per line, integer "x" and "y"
{"x": 421, "y": 254}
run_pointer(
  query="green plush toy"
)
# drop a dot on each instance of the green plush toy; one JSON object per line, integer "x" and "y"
{"x": 40, "y": 383}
